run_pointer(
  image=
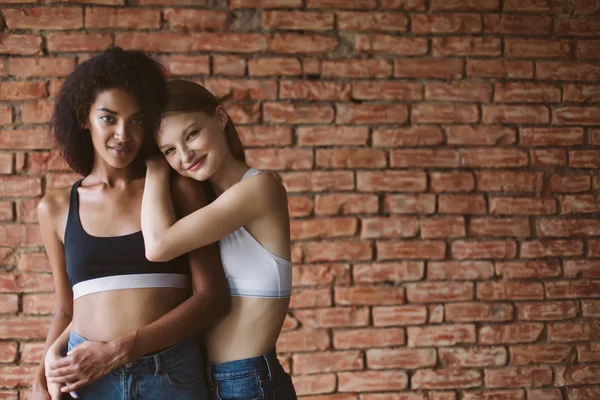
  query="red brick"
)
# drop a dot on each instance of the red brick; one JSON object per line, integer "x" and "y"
{"x": 331, "y": 135}
{"x": 439, "y": 292}
{"x": 510, "y": 291}
{"x": 274, "y": 66}
{"x": 368, "y": 381}
{"x": 39, "y": 304}
{"x": 515, "y": 114}
{"x": 493, "y": 157}
{"x": 297, "y": 20}
{"x": 394, "y": 227}
{"x": 291, "y": 43}
{"x": 473, "y": 357}
{"x": 567, "y": 71}
{"x": 27, "y": 210}
{"x": 251, "y": 89}
{"x": 445, "y": 23}
{"x": 279, "y": 159}
{"x": 576, "y": 115}
{"x": 311, "y": 66}
{"x": 461, "y": 204}
{"x": 465, "y": 5}
{"x": 573, "y": 331}
{"x": 17, "y": 375}
{"x": 459, "y": 91}
{"x": 518, "y": 377}
{"x": 400, "y": 358}
{"x": 560, "y": 227}
{"x": 206, "y": 41}
{"x": 403, "y": 4}
{"x": 263, "y": 3}
{"x": 551, "y": 248}
{"x": 406, "y": 181}
{"x": 23, "y": 328}
{"x": 445, "y": 379}
{"x": 494, "y": 249}
{"x": 577, "y": 375}
{"x": 25, "y": 139}
{"x": 547, "y": 311}
{"x": 460, "y": 270}
{"x": 124, "y": 18}
{"x": 587, "y": 49}
{"x": 437, "y": 113}
{"x": 323, "y": 228}
{"x": 12, "y": 44}
{"x": 579, "y": 203}
{"x": 9, "y": 304}
{"x": 551, "y": 136}
{"x": 576, "y": 27}
{"x": 399, "y": 315}
{"x": 588, "y": 352}
{"x": 538, "y": 48}
{"x": 424, "y": 158}
{"x": 229, "y": 65}
{"x": 452, "y": 182}
{"x": 189, "y": 20}
{"x": 78, "y": 41}
{"x": 56, "y": 18}
{"x": 569, "y": 183}
{"x": 528, "y": 269}
{"x": 466, "y": 46}
{"x": 357, "y": 4}
{"x": 593, "y": 248}
{"x": 300, "y": 206}
{"x": 500, "y": 69}
{"x": 509, "y": 181}
{"x": 544, "y": 394}
{"x": 37, "y": 111}
{"x": 480, "y": 135}
{"x": 6, "y": 211}
{"x": 526, "y": 93}
{"x": 22, "y": 90}
{"x": 6, "y": 117}
{"x": 471, "y": 312}
{"x": 386, "y": 90}
{"x": 424, "y": 249}
{"x": 337, "y": 250}
{"x": 331, "y": 204}
{"x": 186, "y": 65}
{"x": 580, "y": 93}
{"x": 388, "y": 272}
{"x": 572, "y": 289}
{"x": 582, "y": 393}
{"x": 447, "y": 68}
{"x": 43, "y": 66}
{"x": 327, "y": 362}
{"x": 495, "y": 394}
{"x": 314, "y": 384}
{"x": 8, "y": 351}
{"x": 333, "y": 317}
{"x": 15, "y": 186}
{"x": 318, "y": 180}
{"x": 539, "y": 6}
{"x": 348, "y": 113}
{"x": 368, "y": 338}
{"x": 500, "y": 227}
{"x": 410, "y": 204}
{"x": 442, "y": 227}
{"x": 303, "y": 340}
{"x": 548, "y": 157}
{"x": 357, "y": 68}
{"x": 517, "y": 24}
{"x": 352, "y": 21}
{"x": 6, "y": 163}
{"x": 441, "y": 335}
{"x": 309, "y": 297}
{"x": 262, "y": 136}
{"x": 424, "y": 135}
{"x": 395, "y": 45}
{"x": 287, "y": 113}
{"x": 527, "y": 332}
{"x": 314, "y": 90}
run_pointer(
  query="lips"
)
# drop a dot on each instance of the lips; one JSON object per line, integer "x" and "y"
{"x": 196, "y": 164}
{"x": 121, "y": 151}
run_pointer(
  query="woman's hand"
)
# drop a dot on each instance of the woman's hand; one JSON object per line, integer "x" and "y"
{"x": 157, "y": 163}
{"x": 88, "y": 362}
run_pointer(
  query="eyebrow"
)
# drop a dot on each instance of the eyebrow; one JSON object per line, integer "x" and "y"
{"x": 108, "y": 110}
{"x": 185, "y": 131}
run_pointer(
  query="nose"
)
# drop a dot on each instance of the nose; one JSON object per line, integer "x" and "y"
{"x": 187, "y": 155}
{"x": 122, "y": 133}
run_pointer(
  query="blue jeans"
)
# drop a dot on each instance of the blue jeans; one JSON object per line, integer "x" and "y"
{"x": 175, "y": 373}
{"x": 254, "y": 378}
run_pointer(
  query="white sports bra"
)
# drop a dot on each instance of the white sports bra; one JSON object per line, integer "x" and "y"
{"x": 252, "y": 270}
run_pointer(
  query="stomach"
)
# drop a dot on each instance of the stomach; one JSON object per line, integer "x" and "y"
{"x": 251, "y": 328}
{"x": 107, "y": 315}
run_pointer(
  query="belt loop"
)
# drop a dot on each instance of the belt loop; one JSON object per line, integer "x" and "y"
{"x": 266, "y": 358}
{"x": 158, "y": 365}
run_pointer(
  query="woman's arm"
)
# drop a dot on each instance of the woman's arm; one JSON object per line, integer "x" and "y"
{"x": 165, "y": 238}
{"x": 210, "y": 300}
{"x": 50, "y": 209}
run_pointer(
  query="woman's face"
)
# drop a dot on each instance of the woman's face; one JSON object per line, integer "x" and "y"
{"x": 116, "y": 127}
{"x": 194, "y": 143}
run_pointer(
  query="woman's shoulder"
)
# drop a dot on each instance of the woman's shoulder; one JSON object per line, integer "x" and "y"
{"x": 55, "y": 203}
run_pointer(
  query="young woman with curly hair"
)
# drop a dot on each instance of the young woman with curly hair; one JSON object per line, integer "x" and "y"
{"x": 131, "y": 321}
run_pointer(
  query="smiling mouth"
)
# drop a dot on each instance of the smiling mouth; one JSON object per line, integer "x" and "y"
{"x": 121, "y": 151}
{"x": 196, "y": 164}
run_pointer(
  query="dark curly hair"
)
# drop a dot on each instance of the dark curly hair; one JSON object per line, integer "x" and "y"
{"x": 115, "y": 68}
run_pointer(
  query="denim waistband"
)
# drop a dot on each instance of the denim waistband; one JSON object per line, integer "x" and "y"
{"x": 157, "y": 362}
{"x": 266, "y": 362}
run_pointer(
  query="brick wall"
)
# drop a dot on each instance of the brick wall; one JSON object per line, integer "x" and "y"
{"x": 441, "y": 159}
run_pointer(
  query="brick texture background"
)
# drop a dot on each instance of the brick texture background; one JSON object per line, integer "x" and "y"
{"x": 441, "y": 158}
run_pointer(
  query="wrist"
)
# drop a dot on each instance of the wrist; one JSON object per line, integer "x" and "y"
{"x": 123, "y": 348}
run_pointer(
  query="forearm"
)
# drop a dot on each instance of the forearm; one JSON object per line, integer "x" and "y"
{"x": 57, "y": 338}
{"x": 191, "y": 316}
{"x": 157, "y": 208}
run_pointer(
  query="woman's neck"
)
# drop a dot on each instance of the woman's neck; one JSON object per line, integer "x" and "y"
{"x": 104, "y": 173}
{"x": 228, "y": 174}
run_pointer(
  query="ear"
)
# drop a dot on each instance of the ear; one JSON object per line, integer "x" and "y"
{"x": 222, "y": 116}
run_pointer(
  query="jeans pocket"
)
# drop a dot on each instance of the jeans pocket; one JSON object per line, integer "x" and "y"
{"x": 239, "y": 388}
{"x": 186, "y": 372}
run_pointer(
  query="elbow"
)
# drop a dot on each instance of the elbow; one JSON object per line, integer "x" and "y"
{"x": 154, "y": 252}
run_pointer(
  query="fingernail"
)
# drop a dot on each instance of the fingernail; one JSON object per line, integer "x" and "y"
{"x": 74, "y": 395}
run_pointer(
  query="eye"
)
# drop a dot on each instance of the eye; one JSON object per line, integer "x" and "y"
{"x": 137, "y": 121}
{"x": 170, "y": 150}
{"x": 108, "y": 118}
{"x": 191, "y": 135}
